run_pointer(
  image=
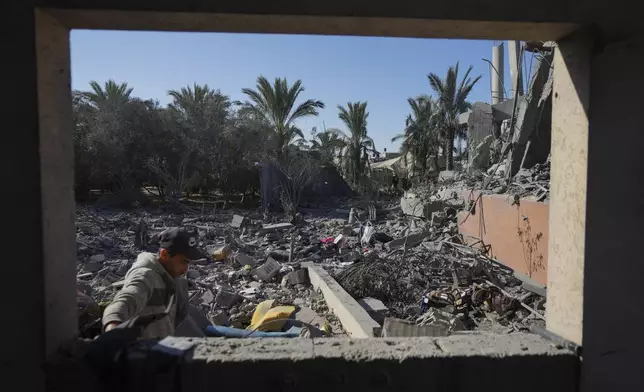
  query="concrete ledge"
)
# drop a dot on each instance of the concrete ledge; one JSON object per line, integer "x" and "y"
{"x": 355, "y": 320}
{"x": 457, "y": 363}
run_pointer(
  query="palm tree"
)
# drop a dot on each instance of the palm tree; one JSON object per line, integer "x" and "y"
{"x": 452, "y": 99}
{"x": 113, "y": 95}
{"x": 327, "y": 143}
{"x": 421, "y": 138}
{"x": 198, "y": 102}
{"x": 276, "y": 104}
{"x": 202, "y": 109}
{"x": 357, "y": 144}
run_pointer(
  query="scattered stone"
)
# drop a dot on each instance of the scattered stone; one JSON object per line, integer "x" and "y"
{"x": 268, "y": 270}
{"x": 97, "y": 259}
{"x": 300, "y": 276}
{"x": 237, "y": 222}
{"x": 243, "y": 260}
{"x": 226, "y": 299}
{"x": 239, "y": 320}
{"x": 207, "y": 297}
{"x": 272, "y": 228}
{"x": 220, "y": 317}
{"x": 412, "y": 241}
{"x": 193, "y": 274}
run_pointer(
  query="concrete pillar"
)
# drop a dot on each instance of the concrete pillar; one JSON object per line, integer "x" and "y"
{"x": 498, "y": 93}
{"x": 614, "y": 269}
{"x": 516, "y": 77}
{"x": 57, "y": 179}
{"x": 38, "y": 269}
{"x": 568, "y": 188}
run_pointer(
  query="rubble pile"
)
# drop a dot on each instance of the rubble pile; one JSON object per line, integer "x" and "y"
{"x": 430, "y": 277}
{"x": 447, "y": 277}
{"x": 248, "y": 262}
{"x": 534, "y": 182}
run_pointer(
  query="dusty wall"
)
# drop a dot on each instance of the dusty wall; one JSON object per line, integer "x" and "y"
{"x": 613, "y": 283}
{"x": 517, "y": 234}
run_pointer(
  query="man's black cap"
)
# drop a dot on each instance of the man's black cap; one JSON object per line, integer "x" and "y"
{"x": 178, "y": 240}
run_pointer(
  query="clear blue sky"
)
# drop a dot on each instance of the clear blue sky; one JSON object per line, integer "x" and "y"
{"x": 382, "y": 71}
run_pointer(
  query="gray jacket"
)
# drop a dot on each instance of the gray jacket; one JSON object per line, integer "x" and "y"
{"x": 147, "y": 290}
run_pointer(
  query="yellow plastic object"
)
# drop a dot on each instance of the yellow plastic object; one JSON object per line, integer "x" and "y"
{"x": 269, "y": 319}
{"x": 222, "y": 253}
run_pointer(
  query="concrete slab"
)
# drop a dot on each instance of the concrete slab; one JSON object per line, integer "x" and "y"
{"x": 237, "y": 221}
{"x": 243, "y": 259}
{"x": 268, "y": 270}
{"x": 420, "y": 208}
{"x": 412, "y": 240}
{"x": 275, "y": 227}
{"x": 355, "y": 320}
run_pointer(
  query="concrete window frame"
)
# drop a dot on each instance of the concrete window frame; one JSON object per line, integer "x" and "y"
{"x": 569, "y": 135}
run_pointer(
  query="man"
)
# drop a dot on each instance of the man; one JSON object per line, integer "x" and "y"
{"x": 153, "y": 281}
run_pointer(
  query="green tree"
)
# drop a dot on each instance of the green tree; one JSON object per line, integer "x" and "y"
{"x": 452, "y": 100}
{"x": 327, "y": 144}
{"x": 112, "y": 95}
{"x": 421, "y": 137}
{"x": 357, "y": 143}
{"x": 276, "y": 104}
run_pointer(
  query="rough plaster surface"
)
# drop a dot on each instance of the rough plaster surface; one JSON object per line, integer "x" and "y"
{"x": 490, "y": 345}
{"x": 460, "y": 363}
{"x": 340, "y": 22}
{"x": 564, "y": 313}
{"x": 355, "y": 320}
{"x": 57, "y": 179}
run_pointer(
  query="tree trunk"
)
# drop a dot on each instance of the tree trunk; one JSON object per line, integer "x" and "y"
{"x": 449, "y": 150}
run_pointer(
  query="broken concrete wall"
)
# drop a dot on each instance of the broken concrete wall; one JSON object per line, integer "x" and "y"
{"x": 479, "y": 125}
{"x": 517, "y": 233}
{"x": 534, "y": 116}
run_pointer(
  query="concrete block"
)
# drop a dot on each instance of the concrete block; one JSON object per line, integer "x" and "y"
{"x": 355, "y": 320}
{"x": 268, "y": 270}
{"x": 300, "y": 276}
{"x": 237, "y": 221}
{"x": 413, "y": 206}
{"x": 243, "y": 259}
{"x": 207, "y": 297}
{"x": 309, "y": 316}
{"x": 447, "y": 175}
{"x": 226, "y": 299}
{"x": 376, "y": 309}
{"x": 394, "y": 327}
{"x": 220, "y": 317}
{"x": 272, "y": 228}
{"x": 412, "y": 240}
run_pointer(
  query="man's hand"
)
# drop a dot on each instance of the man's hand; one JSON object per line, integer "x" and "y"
{"x": 111, "y": 326}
